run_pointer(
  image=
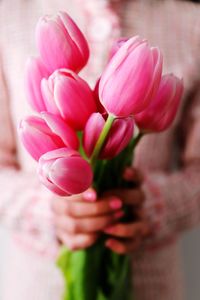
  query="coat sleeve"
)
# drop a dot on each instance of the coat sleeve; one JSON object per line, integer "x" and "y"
{"x": 173, "y": 199}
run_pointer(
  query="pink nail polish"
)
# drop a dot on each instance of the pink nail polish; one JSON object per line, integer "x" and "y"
{"x": 115, "y": 203}
{"x": 119, "y": 214}
{"x": 90, "y": 195}
{"x": 108, "y": 243}
{"x": 129, "y": 174}
{"x": 109, "y": 230}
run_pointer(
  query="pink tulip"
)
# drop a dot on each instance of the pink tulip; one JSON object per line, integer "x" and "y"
{"x": 99, "y": 106}
{"x": 131, "y": 78}
{"x": 61, "y": 43}
{"x": 118, "y": 138}
{"x": 48, "y": 132}
{"x": 65, "y": 172}
{"x": 35, "y": 71}
{"x": 69, "y": 96}
{"x": 163, "y": 108}
{"x": 117, "y": 45}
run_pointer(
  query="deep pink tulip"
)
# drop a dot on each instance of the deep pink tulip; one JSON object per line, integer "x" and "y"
{"x": 163, "y": 108}
{"x": 61, "y": 43}
{"x": 69, "y": 96}
{"x": 65, "y": 172}
{"x": 118, "y": 138}
{"x": 35, "y": 71}
{"x": 48, "y": 132}
{"x": 131, "y": 78}
{"x": 99, "y": 106}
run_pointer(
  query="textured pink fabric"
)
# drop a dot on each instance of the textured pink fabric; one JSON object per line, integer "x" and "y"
{"x": 172, "y": 194}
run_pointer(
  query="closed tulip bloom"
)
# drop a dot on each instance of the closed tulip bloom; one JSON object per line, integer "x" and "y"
{"x": 69, "y": 96}
{"x": 99, "y": 106}
{"x": 35, "y": 71}
{"x": 118, "y": 138}
{"x": 61, "y": 43}
{"x": 117, "y": 45}
{"x": 163, "y": 108}
{"x": 131, "y": 78}
{"x": 65, "y": 172}
{"x": 48, "y": 132}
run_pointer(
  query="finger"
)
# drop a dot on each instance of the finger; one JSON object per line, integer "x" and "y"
{"x": 129, "y": 196}
{"x": 132, "y": 174}
{"x": 86, "y": 225}
{"x": 92, "y": 209}
{"x": 59, "y": 205}
{"x": 123, "y": 247}
{"x": 89, "y": 195}
{"x": 130, "y": 230}
{"x": 77, "y": 242}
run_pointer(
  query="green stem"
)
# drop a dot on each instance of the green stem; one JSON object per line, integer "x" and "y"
{"x": 136, "y": 140}
{"x": 102, "y": 138}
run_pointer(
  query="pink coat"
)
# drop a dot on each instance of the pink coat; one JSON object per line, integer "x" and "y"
{"x": 171, "y": 160}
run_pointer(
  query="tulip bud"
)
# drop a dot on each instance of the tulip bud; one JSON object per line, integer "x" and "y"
{"x": 118, "y": 138}
{"x": 69, "y": 96}
{"x": 131, "y": 78}
{"x": 65, "y": 172}
{"x": 48, "y": 132}
{"x": 35, "y": 71}
{"x": 61, "y": 43}
{"x": 99, "y": 106}
{"x": 163, "y": 108}
{"x": 117, "y": 45}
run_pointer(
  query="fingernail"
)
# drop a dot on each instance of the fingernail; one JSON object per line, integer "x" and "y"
{"x": 90, "y": 195}
{"x": 119, "y": 214}
{"x": 115, "y": 203}
{"x": 128, "y": 173}
{"x": 109, "y": 230}
{"x": 109, "y": 243}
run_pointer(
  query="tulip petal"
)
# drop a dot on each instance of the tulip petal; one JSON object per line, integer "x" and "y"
{"x": 92, "y": 132}
{"x": 48, "y": 96}
{"x": 43, "y": 177}
{"x": 76, "y": 35}
{"x": 72, "y": 174}
{"x": 54, "y": 49}
{"x": 35, "y": 141}
{"x": 58, "y": 153}
{"x": 35, "y": 71}
{"x": 119, "y": 136}
{"x": 60, "y": 128}
{"x": 74, "y": 99}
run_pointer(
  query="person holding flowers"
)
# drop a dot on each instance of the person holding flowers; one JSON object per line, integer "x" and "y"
{"x": 163, "y": 202}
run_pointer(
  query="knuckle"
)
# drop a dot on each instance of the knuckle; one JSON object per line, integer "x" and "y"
{"x": 94, "y": 209}
{"x": 122, "y": 230}
{"x": 72, "y": 225}
{"x": 71, "y": 245}
{"x": 122, "y": 249}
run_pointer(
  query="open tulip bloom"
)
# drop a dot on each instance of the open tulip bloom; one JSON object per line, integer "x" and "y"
{"x": 82, "y": 138}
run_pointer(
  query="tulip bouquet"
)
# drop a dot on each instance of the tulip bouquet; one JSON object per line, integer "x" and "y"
{"x": 83, "y": 137}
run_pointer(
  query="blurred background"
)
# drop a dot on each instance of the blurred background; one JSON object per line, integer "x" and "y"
{"x": 172, "y": 25}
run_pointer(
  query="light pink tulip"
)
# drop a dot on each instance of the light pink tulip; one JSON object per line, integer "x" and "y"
{"x": 131, "y": 78}
{"x": 65, "y": 172}
{"x": 118, "y": 138}
{"x": 35, "y": 71}
{"x": 163, "y": 108}
{"x": 61, "y": 43}
{"x": 117, "y": 45}
{"x": 69, "y": 96}
{"x": 48, "y": 132}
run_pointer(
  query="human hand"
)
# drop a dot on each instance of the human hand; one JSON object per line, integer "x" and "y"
{"x": 80, "y": 219}
{"x": 127, "y": 237}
